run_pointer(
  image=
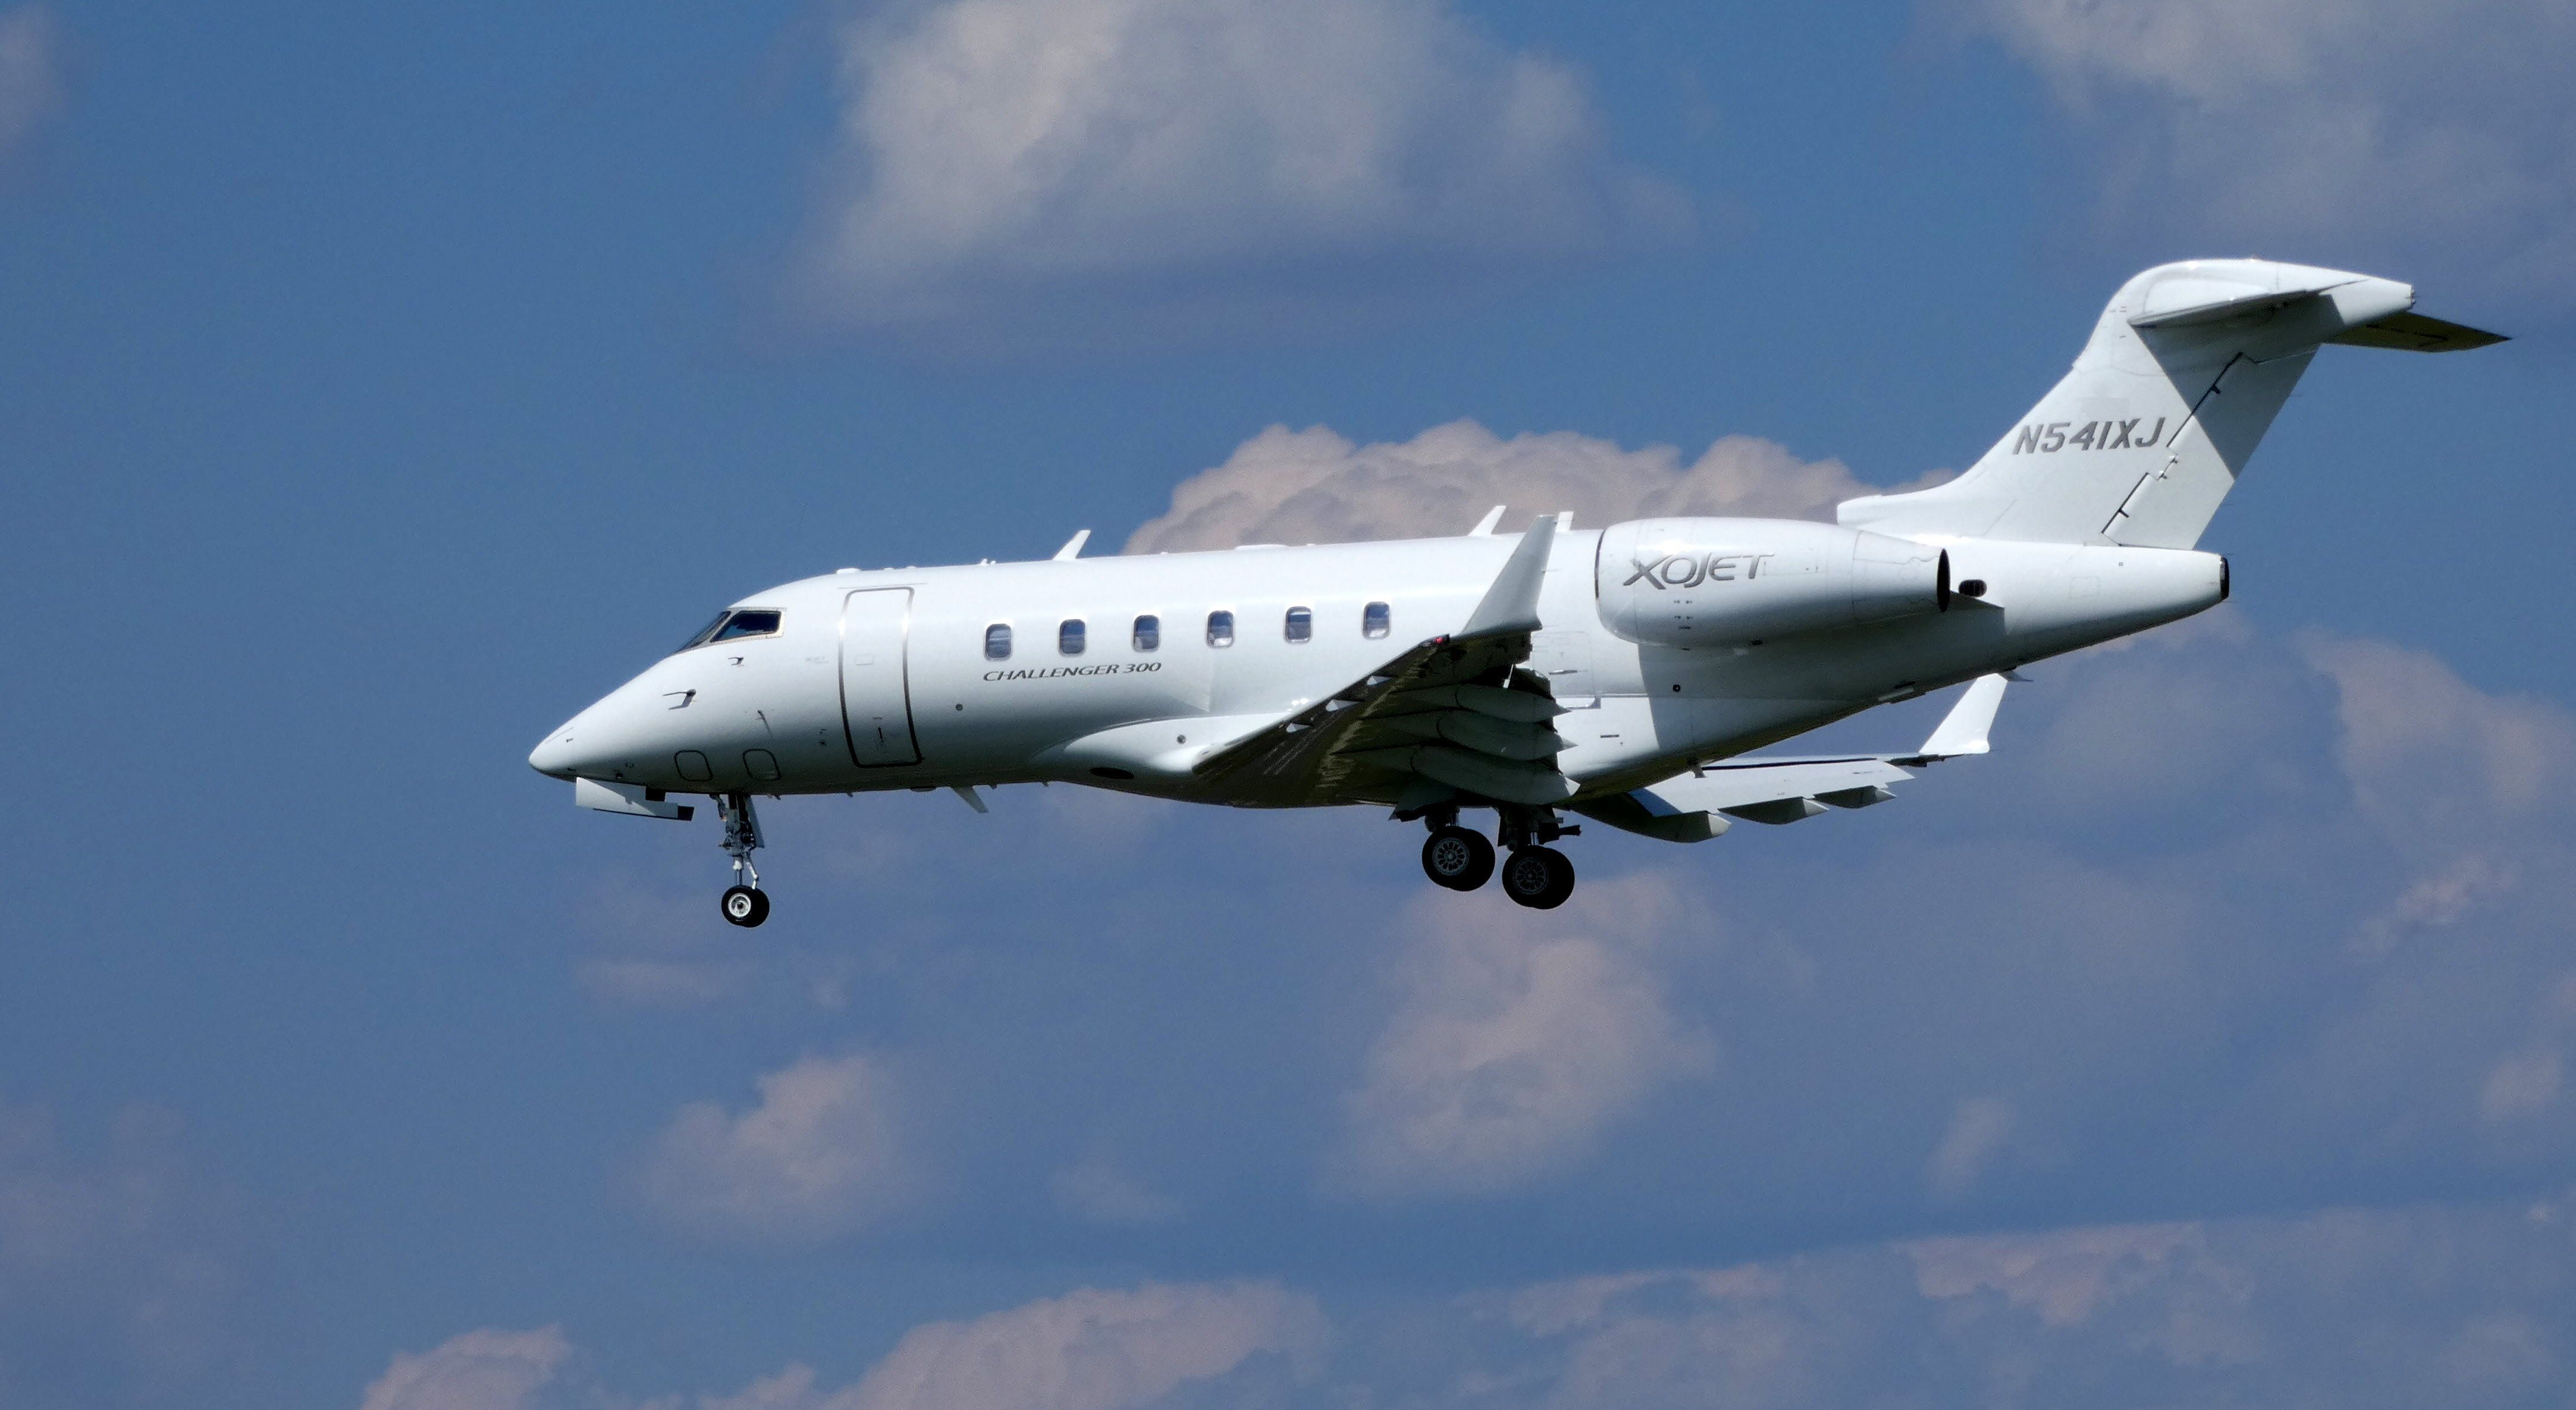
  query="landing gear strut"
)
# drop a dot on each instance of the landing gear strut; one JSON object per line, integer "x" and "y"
{"x": 744, "y": 903}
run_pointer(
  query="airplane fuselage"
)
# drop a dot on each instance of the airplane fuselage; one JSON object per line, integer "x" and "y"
{"x": 897, "y": 678}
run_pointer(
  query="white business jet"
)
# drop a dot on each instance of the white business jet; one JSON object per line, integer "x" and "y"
{"x": 1618, "y": 674}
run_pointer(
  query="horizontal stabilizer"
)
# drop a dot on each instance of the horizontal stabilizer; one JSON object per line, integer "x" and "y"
{"x": 2413, "y": 332}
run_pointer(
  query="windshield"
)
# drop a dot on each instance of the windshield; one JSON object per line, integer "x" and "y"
{"x": 751, "y": 621}
{"x": 706, "y": 633}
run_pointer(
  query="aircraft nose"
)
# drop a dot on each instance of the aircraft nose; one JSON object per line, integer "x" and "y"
{"x": 573, "y": 749}
{"x": 558, "y": 753}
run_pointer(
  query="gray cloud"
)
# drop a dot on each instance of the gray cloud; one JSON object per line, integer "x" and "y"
{"x": 819, "y": 1156}
{"x": 1115, "y": 172}
{"x": 1097, "y": 1188}
{"x": 2434, "y": 141}
{"x": 1313, "y": 486}
{"x": 1977, "y": 1133}
{"x": 1518, "y": 1039}
{"x": 2461, "y": 1305}
{"x": 31, "y": 83}
{"x": 117, "y": 1270}
{"x": 1090, "y": 1349}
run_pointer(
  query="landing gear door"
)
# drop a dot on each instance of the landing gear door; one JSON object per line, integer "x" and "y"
{"x": 876, "y": 700}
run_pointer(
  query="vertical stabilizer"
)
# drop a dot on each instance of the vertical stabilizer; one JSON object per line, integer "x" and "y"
{"x": 2149, "y": 430}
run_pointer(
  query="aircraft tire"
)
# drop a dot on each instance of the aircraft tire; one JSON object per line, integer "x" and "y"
{"x": 1538, "y": 877}
{"x": 744, "y": 906}
{"x": 1458, "y": 859}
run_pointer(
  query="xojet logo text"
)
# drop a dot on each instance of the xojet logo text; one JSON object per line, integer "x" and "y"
{"x": 1681, "y": 570}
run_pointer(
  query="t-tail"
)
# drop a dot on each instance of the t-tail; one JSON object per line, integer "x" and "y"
{"x": 2151, "y": 428}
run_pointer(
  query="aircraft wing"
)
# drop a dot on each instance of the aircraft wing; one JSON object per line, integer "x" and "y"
{"x": 1701, "y": 804}
{"x": 1453, "y": 710}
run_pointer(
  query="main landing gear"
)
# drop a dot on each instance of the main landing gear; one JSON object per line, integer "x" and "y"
{"x": 744, "y": 903}
{"x": 1456, "y": 858}
{"x": 1534, "y": 875}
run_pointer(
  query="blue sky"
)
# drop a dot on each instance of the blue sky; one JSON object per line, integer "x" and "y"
{"x": 377, "y": 388}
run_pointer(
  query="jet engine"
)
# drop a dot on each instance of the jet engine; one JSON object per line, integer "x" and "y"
{"x": 1719, "y": 582}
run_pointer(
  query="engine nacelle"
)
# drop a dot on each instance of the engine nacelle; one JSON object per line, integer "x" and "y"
{"x": 1718, "y": 582}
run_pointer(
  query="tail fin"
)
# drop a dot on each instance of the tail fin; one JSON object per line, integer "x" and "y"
{"x": 2151, "y": 428}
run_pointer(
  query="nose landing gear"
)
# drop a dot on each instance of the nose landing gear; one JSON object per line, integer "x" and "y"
{"x": 744, "y": 903}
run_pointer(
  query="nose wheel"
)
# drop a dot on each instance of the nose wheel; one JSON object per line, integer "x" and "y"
{"x": 745, "y": 906}
{"x": 743, "y": 903}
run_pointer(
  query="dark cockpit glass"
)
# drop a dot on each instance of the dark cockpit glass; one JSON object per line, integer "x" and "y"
{"x": 755, "y": 622}
{"x": 758, "y": 621}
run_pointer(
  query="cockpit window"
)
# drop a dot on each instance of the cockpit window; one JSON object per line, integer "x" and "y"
{"x": 752, "y": 622}
{"x": 755, "y": 621}
{"x": 706, "y": 633}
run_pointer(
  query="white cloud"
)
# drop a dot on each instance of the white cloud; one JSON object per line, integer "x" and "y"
{"x": 1519, "y": 1039}
{"x": 2063, "y": 1275}
{"x": 486, "y": 1369}
{"x": 819, "y": 1156}
{"x": 1091, "y": 1349}
{"x": 2435, "y": 761}
{"x": 2434, "y": 139}
{"x": 1313, "y": 486}
{"x": 2458, "y": 1305}
{"x": 31, "y": 83}
{"x": 1096, "y": 172}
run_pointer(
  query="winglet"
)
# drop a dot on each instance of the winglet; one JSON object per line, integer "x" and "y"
{"x": 1073, "y": 546}
{"x": 1485, "y": 526}
{"x": 1963, "y": 730}
{"x": 1511, "y": 604}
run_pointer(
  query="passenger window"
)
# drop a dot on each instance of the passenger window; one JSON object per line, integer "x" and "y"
{"x": 1301, "y": 624}
{"x": 1220, "y": 629}
{"x": 1068, "y": 637}
{"x": 997, "y": 642}
{"x": 1149, "y": 633}
{"x": 753, "y": 623}
{"x": 1375, "y": 620}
